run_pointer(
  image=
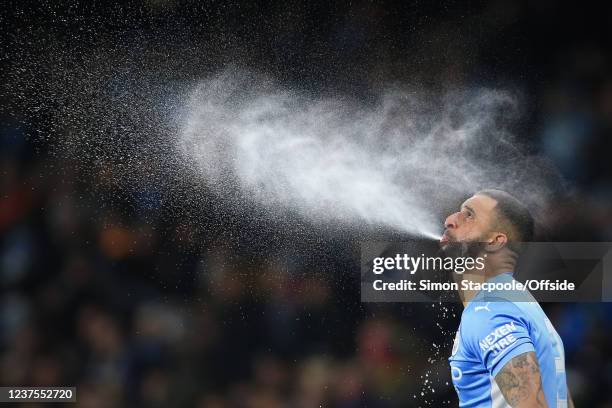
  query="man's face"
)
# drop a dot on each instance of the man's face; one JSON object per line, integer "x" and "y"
{"x": 472, "y": 223}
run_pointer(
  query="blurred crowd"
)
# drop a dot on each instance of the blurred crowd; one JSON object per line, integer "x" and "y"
{"x": 104, "y": 291}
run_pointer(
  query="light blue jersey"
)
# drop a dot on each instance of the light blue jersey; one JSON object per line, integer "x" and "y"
{"x": 495, "y": 327}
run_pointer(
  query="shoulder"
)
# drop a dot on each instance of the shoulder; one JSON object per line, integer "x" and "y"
{"x": 493, "y": 326}
{"x": 483, "y": 314}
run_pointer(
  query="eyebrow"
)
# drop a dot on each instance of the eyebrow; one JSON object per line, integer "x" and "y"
{"x": 469, "y": 208}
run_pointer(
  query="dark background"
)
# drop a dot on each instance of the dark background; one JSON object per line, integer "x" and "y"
{"x": 143, "y": 301}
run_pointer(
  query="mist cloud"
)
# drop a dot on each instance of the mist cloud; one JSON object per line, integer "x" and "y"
{"x": 395, "y": 162}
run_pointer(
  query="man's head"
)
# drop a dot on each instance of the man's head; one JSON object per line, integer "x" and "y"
{"x": 493, "y": 219}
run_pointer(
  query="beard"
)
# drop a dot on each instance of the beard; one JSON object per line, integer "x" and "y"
{"x": 464, "y": 249}
{"x": 456, "y": 249}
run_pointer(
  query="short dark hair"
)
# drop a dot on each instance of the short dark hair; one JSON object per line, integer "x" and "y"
{"x": 513, "y": 212}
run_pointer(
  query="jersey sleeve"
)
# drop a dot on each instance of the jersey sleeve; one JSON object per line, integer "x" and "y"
{"x": 499, "y": 332}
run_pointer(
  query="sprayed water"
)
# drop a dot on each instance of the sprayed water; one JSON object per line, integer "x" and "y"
{"x": 399, "y": 158}
{"x": 396, "y": 162}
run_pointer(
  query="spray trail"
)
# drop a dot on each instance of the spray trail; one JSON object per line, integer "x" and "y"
{"x": 394, "y": 163}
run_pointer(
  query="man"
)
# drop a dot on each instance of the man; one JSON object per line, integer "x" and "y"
{"x": 506, "y": 352}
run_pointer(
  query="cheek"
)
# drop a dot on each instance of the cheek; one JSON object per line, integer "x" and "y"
{"x": 477, "y": 233}
{"x": 468, "y": 232}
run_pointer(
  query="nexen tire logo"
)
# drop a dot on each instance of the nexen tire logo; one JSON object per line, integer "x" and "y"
{"x": 499, "y": 338}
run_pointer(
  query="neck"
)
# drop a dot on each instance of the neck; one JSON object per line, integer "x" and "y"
{"x": 495, "y": 265}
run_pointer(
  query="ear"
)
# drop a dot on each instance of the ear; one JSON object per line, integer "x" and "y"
{"x": 496, "y": 241}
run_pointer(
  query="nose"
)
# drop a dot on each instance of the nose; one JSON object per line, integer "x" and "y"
{"x": 451, "y": 221}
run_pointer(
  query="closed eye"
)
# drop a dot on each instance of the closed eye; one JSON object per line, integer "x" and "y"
{"x": 469, "y": 212}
